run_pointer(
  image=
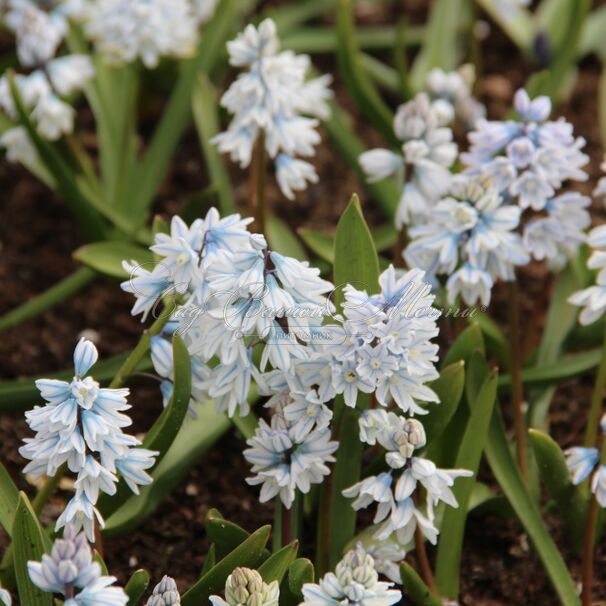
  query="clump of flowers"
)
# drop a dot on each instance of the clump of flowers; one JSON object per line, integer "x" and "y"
{"x": 245, "y": 587}
{"x": 69, "y": 571}
{"x": 165, "y": 593}
{"x": 81, "y": 425}
{"x": 470, "y": 237}
{"x": 529, "y": 161}
{"x": 399, "y": 506}
{"x": 428, "y": 152}
{"x": 355, "y": 581}
{"x": 49, "y": 82}
{"x": 275, "y": 103}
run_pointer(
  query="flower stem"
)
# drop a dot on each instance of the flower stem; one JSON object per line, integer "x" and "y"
{"x": 297, "y": 516}
{"x": 424, "y": 565}
{"x": 278, "y": 524}
{"x": 257, "y": 185}
{"x": 588, "y": 549}
{"x": 517, "y": 391}
{"x": 287, "y": 521}
{"x": 593, "y": 421}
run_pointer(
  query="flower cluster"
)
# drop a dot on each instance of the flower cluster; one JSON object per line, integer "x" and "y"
{"x": 382, "y": 346}
{"x": 427, "y": 154}
{"x": 50, "y": 81}
{"x": 582, "y": 462}
{"x": 529, "y": 161}
{"x": 126, "y": 30}
{"x": 593, "y": 298}
{"x": 81, "y": 426}
{"x": 398, "y": 506}
{"x": 284, "y": 459}
{"x": 70, "y": 571}
{"x": 355, "y": 582}
{"x": 272, "y": 101}
{"x": 245, "y": 587}
{"x": 470, "y": 237}
{"x": 235, "y": 295}
{"x": 165, "y": 593}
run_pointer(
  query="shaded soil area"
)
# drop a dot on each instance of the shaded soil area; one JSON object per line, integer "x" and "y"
{"x": 37, "y": 237}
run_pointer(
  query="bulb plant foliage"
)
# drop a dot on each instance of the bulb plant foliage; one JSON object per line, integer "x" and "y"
{"x": 364, "y": 410}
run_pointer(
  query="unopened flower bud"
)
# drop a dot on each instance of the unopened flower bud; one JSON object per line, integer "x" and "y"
{"x": 165, "y": 593}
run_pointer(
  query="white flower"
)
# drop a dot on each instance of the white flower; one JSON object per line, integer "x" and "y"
{"x": 273, "y": 99}
{"x": 598, "y": 485}
{"x": 354, "y": 582}
{"x": 593, "y": 298}
{"x": 282, "y": 464}
{"x": 70, "y": 73}
{"x": 54, "y": 118}
{"x": 581, "y": 462}
{"x": 127, "y": 30}
{"x": 81, "y": 425}
{"x": 18, "y": 146}
{"x": 245, "y": 587}
{"x": 5, "y": 597}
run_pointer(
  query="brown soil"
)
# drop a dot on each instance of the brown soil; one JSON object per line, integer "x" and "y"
{"x": 37, "y": 236}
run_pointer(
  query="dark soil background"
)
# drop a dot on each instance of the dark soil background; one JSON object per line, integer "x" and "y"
{"x": 37, "y": 236}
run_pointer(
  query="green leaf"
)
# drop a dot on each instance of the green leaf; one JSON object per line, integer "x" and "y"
{"x": 195, "y": 438}
{"x": 516, "y": 23}
{"x": 282, "y": 240}
{"x": 356, "y": 260}
{"x": 567, "y": 367}
{"x": 9, "y": 499}
{"x": 318, "y": 242}
{"x": 355, "y": 77}
{"x": 30, "y": 543}
{"x": 275, "y": 567}
{"x": 467, "y": 342}
{"x": 448, "y": 560}
{"x": 340, "y": 128}
{"x": 106, "y": 257}
{"x": 415, "y": 588}
{"x": 441, "y": 47}
{"x": 592, "y": 39}
{"x": 301, "y": 571}
{"x": 507, "y": 475}
{"x": 206, "y": 119}
{"x": 555, "y": 475}
{"x": 449, "y": 388}
{"x": 247, "y": 554}
{"x": 496, "y": 342}
{"x": 210, "y": 560}
{"x": 136, "y": 586}
{"x": 225, "y": 535}
{"x": 56, "y": 294}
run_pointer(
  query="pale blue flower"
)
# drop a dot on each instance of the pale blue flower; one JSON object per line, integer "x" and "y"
{"x": 5, "y": 597}
{"x": 355, "y": 582}
{"x": 81, "y": 425}
{"x": 70, "y": 571}
{"x": 581, "y": 462}
{"x": 165, "y": 593}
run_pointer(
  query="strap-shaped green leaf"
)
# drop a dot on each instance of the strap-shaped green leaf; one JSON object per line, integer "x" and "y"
{"x": 248, "y": 554}
{"x": 468, "y": 457}
{"x": 106, "y": 257}
{"x": 136, "y": 586}
{"x": 225, "y": 535}
{"x": 283, "y": 240}
{"x": 449, "y": 388}
{"x": 301, "y": 571}
{"x": 415, "y": 588}
{"x": 9, "y": 499}
{"x": 210, "y": 560}
{"x": 507, "y": 475}
{"x": 356, "y": 78}
{"x": 30, "y": 543}
{"x": 556, "y": 477}
{"x": 467, "y": 342}
{"x": 275, "y": 567}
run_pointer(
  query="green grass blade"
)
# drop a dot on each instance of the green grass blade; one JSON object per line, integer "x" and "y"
{"x": 9, "y": 500}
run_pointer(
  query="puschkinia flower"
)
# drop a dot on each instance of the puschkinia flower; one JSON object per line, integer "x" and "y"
{"x": 70, "y": 571}
{"x": 283, "y": 464}
{"x": 529, "y": 159}
{"x": 593, "y": 298}
{"x": 5, "y": 597}
{"x": 355, "y": 582}
{"x": 274, "y": 99}
{"x": 124, "y": 31}
{"x": 396, "y": 493}
{"x": 50, "y": 79}
{"x": 81, "y": 425}
{"x": 422, "y": 167}
{"x": 585, "y": 462}
{"x": 600, "y": 189}
{"x": 453, "y": 91}
{"x": 383, "y": 345}
{"x": 245, "y": 587}
{"x": 165, "y": 593}
{"x": 471, "y": 238}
